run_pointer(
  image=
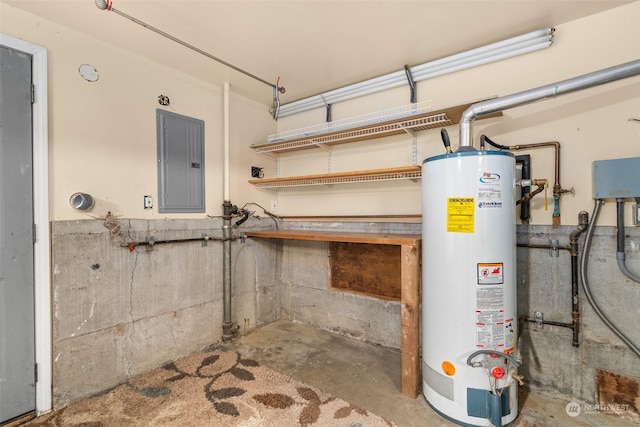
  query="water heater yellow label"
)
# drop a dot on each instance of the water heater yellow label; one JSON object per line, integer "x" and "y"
{"x": 460, "y": 214}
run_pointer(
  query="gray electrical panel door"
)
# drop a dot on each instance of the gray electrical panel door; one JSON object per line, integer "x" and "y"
{"x": 17, "y": 330}
{"x": 180, "y": 163}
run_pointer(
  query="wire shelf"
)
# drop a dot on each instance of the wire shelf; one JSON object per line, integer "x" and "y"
{"x": 376, "y": 125}
{"x": 352, "y": 122}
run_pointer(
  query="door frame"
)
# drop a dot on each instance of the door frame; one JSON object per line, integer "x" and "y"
{"x": 41, "y": 248}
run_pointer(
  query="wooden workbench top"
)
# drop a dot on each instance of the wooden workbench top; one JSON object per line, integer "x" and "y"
{"x": 340, "y": 236}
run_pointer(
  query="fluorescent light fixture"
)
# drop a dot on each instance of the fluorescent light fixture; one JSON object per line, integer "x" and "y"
{"x": 508, "y": 48}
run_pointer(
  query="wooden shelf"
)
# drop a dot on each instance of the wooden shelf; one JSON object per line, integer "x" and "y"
{"x": 337, "y": 236}
{"x": 389, "y": 174}
{"x": 414, "y": 123}
{"x": 399, "y": 125}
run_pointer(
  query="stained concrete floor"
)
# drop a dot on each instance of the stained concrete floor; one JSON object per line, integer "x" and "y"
{"x": 369, "y": 376}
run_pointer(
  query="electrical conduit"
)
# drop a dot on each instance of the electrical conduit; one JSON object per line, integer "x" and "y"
{"x": 584, "y": 262}
{"x": 620, "y": 255}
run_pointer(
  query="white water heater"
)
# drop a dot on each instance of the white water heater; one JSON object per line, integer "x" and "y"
{"x": 469, "y": 313}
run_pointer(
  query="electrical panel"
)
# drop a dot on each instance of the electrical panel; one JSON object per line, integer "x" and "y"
{"x": 616, "y": 179}
{"x": 180, "y": 163}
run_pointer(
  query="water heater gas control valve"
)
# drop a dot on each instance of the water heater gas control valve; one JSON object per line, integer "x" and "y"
{"x": 497, "y": 372}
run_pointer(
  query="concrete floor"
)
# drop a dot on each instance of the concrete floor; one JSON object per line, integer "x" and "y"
{"x": 369, "y": 376}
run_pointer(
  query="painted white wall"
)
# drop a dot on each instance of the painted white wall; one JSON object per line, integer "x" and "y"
{"x": 102, "y": 135}
{"x": 590, "y": 125}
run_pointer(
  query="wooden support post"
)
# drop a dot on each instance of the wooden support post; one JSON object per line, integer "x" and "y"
{"x": 410, "y": 311}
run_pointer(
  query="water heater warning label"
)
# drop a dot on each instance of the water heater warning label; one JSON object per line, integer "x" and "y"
{"x": 460, "y": 214}
{"x": 490, "y": 332}
{"x": 491, "y": 274}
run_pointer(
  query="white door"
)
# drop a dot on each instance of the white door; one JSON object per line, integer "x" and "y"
{"x": 17, "y": 335}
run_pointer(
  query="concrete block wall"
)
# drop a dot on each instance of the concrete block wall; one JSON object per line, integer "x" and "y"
{"x": 550, "y": 362}
{"x": 257, "y": 292}
{"x": 305, "y": 275}
{"x": 118, "y": 313}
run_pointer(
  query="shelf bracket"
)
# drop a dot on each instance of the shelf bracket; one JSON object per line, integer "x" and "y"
{"x": 322, "y": 145}
{"x": 269, "y": 154}
{"x": 410, "y": 131}
{"x": 329, "y": 151}
{"x": 414, "y": 142}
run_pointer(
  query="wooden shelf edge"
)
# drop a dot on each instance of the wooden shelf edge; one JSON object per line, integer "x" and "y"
{"x": 387, "y": 174}
{"x": 345, "y": 237}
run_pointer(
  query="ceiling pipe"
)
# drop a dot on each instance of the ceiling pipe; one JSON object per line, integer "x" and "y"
{"x": 277, "y": 89}
{"x": 574, "y": 84}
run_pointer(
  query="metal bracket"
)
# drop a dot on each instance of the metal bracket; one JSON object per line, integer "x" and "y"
{"x": 329, "y": 151}
{"x": 538, "y": 316}
{"x": 411, "y": 132}
{"x": 554, "y": 248}
{"x": 150, "y": 242}
{"x": 205, "y": 239}
{"x": 412, "y": 84}
{"x": 322, "y": 145}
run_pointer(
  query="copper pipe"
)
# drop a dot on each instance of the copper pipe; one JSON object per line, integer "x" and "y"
{"x": 557, "y": 187}
{"x": 556, "y": 145}
{"x": 541, "y": 183}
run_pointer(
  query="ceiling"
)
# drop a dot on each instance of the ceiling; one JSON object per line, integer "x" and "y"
{"x": 313, "y": 45}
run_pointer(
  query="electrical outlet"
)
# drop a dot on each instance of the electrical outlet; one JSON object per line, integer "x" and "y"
{"x": 148, "y": 202}
{"x": 274, "y": 205}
